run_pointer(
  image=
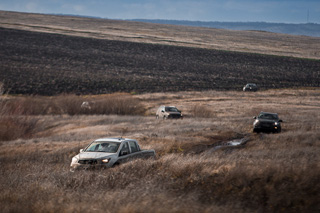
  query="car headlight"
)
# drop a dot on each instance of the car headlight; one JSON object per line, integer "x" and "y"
{"x": 276, "y": 123}
{"x": 106, "y": 160}
{"x": 74, "y": 160}
{"x": 256, "y": 122}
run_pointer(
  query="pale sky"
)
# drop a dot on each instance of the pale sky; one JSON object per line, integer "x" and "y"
{"x": 283, "y": 11}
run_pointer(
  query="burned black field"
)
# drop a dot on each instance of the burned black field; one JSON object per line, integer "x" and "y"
{"x": 50, "y": 64}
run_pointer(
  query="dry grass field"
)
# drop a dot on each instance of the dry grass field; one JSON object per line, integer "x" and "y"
{"x": 125, "y": 70}
{"x": 270, "y": 172}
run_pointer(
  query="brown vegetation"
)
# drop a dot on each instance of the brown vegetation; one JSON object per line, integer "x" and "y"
{"x": 40, "y": 134}
{"x": 19, "y": 115}
{"x": 271, "y": 172}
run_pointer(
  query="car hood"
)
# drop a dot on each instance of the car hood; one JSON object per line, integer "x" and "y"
{"x": 267, "y": 120}
{"x": 174, "y": 113}
{"x": 94, "y": 155}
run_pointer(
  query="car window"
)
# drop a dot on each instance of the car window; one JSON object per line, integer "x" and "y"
{"x": 108, "y": 147}
{"x": 171, "y": 109}
{"x": 133, "y": 146}
{"x": 268, "y": 116}
{"x": 111, "y": 147}
{"x": 93, "y": 147}
{"x": 125, "y": 148}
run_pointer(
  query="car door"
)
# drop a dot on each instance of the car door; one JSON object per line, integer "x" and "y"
{"x": 124, "y": 154}
{"x": 135, "y": 150}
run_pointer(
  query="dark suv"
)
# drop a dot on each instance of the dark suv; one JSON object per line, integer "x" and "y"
{"x": 250, "y": 87}
{"x": 267, "y": 122}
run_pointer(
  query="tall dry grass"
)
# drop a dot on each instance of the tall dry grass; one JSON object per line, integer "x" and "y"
{"x": 270, "y": 173}
{"x": 118, "y": 103}
{"x": 202, "y": 111}
{"x": 225, "y": 180}
{"x": 18, "y": 115}
{"x": 13, "y": 124}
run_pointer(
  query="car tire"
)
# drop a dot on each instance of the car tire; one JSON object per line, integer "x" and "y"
{"x": 115, "y": 165}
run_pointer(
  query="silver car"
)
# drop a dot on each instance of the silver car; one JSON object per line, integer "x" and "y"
{"x": 108, "y": 152}
{"x": 167, "y": 112}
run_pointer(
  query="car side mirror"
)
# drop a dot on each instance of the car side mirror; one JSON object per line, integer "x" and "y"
{"x": 254, "y": 117}
{"x": 280, "y": 120}
{"x": 124, "y": 152}
{"x": 162, "y": 111}
{"x": 81, "y": 150}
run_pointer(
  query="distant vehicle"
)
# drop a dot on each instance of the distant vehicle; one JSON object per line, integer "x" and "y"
{"x": 108, "y": 152}
{"x": 166, "y": 112}
{"x": 267, "y": 122}
{"x": 250, "y": 87}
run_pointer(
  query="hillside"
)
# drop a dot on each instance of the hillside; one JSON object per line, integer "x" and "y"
{"x": 49, "y": 64}
{"x": 307, "y": 29}
{"x": 48, "y": 55}
{"x": 219, "y": 39}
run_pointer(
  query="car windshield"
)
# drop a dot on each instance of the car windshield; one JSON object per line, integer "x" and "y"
{"x": 103, "y": 146}
{"x": 251, "y": 85}
{"x": 268, "y": 116}
{"x": 171, "y": 109}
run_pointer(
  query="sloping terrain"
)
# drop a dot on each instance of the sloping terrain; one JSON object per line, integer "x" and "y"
{"x": 242, "y": 41}
{"x": 48, "y": 64}
{"x": 49, "y": 54}
{"x": 307, "y": 29}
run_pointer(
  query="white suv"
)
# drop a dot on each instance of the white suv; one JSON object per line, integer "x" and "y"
{"x": 166, "y": 112}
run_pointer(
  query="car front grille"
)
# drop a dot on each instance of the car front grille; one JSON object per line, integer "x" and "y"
{"x": 91, "y": 162}
{"x": 266, "y": 124}
{"x": 174, "y": 116}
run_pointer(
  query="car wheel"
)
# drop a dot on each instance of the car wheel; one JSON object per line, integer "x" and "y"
{"x": 115, "y": 164}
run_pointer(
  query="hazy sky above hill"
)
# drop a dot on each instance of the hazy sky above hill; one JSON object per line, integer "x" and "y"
{"x": 284, "y": 11}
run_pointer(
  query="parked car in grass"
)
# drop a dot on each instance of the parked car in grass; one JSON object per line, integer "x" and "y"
{"x": 267, "y": 122}
{"x": 166, "y": 112}
{"x": 108, "y": 152}
{"x": 250, "y": 87}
